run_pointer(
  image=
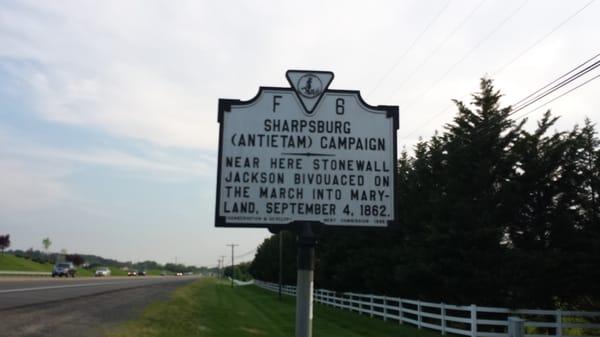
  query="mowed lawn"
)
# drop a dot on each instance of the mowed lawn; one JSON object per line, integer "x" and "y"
{"x": 13, "y": 263}
{"x": 210, "y": 308}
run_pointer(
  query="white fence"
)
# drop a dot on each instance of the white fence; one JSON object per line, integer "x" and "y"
{"x": 472, "y": 320}
{"x": 242, "y": 283}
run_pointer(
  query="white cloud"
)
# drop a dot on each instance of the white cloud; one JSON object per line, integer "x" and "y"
{"x": 155, "y": 163}
{"x": 127, "y": 102}
{"x": 153, "y": 71}
{"x": 24, "y": 187}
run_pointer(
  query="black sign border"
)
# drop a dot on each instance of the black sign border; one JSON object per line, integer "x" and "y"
{"x": 225, "y": 105}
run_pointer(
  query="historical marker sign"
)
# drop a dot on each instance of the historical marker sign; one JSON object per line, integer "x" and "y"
{"x": 306, "y": 153}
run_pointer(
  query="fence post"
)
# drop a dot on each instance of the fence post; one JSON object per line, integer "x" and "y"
{"x": 516, "y": 327}
{"x": 559, "y": 323}
{"x": 349, "y": 302}
{"x": 371, "y": 306}
{"x": 473, "y": 320}
{"x": 419, "y": 315}
{"x": 400, "y": 314}
{"x": 384, "y": 308}
{"x": 443, "y": 320}
{"x": 360, "y": 305}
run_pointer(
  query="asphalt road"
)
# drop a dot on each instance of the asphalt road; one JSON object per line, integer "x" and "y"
{"x": 77, "y": 307}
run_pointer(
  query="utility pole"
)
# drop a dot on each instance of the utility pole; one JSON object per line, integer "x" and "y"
{"x": 222, "y": 269}
{"x": 232, "y": 245}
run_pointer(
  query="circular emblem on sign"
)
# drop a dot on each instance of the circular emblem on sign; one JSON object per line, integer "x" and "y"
{"x": 310, "y": 86}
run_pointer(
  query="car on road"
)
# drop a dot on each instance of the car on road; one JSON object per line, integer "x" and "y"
{"x": 64, "y": 269}
{"x": 132, "y": 273}
{"x": 141, "y": 273}
{"x": 102, "y": 271}
{"x": 179, "y": 274}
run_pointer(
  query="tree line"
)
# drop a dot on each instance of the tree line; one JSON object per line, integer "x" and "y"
{"x": 93, "y": 261}
{"x": 490, "y": 213}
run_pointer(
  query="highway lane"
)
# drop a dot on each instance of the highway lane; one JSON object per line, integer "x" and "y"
{"x": 27, "y": 291}
{"x": 77, "y": 307}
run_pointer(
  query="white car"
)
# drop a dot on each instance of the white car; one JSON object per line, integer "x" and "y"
{"x": 102, "y": 271}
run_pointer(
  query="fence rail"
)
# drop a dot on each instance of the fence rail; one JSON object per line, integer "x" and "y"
{"x": 470, "y": 320}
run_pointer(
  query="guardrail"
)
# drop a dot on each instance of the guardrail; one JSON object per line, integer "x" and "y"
{"x": 24, "y": 273}
{"x": 470, "y": 320}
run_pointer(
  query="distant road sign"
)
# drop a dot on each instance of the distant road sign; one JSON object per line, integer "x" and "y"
{"x": 306, "y": 153}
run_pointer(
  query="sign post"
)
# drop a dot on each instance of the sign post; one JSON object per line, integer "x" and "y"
{"x": 306, "y": 156}
{"x": 305, "y": 277}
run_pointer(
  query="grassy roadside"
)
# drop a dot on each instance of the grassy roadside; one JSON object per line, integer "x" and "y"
{"x": 208, "y": 308}
{"x": 13, "y": 263}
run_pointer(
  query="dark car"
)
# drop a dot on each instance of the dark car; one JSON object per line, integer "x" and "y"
{"x": 64, "y": 269}
{"x": 141, "y": 273}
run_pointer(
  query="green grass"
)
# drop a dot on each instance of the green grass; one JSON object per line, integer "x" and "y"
{"x": 84, "y": 272}
{"x": 13, "y": 263}
{"x": 154, "y": 272}
{"x": 114, "y": 271}
{"x": 208, "y": 308}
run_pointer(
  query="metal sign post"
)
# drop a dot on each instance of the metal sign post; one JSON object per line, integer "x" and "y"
{"x": 304, "y": 286}
{"x": 280, "y": 262}
{"x": 298, "y": 157}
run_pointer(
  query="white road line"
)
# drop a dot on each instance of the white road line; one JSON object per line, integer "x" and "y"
{"x": 20, "y": 290}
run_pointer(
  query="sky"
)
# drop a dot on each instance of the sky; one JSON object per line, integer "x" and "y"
{"x": 108, "y": 109}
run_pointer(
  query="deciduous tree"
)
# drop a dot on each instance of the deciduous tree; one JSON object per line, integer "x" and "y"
{"x": 4, "y": 242}
{"x": 46, "y": 242}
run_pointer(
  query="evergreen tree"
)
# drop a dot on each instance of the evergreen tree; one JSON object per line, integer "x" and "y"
{"x": 489, "y": 213}
{"x": 265, "y": 265}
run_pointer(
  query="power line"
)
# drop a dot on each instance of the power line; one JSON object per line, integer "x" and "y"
{"x": 465, "y": 56}
{"x": 557, "y": 27}
{"x": 439, "y": 46}
{"x": 545, "y": 93}
{"x": 540, "y": 93}
{"x": 557, "y": 97}
{"x": 407, "y": 50}
{"x": 246, "y": 253}
{"x": 557, "y": 87}
{"x": 506, "y": 65}
{"x": 561, "y": 77}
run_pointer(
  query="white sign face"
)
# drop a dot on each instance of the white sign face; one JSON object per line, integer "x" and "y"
{"x": 306, "y": 154}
